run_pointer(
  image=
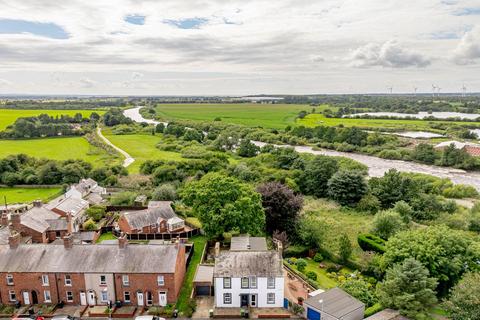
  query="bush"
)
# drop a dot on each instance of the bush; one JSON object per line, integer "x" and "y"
{"x": 165, "y": 192}
{"x": 311, "y": 275}
{"x": 404, "y": 210}
{"x": 387, "y": 223}
{"x": 460, "y": 191}
{"x": 377, "y": 307}
{"x": 90, "y": 225}
{"x": 301, "y": 264}
{"x": 295, "y": 251}
{"x": 333, "y": 267}
{"x": 369, "y": 203}
{"x": 96, "y": 212}
{"x": 123, "y": 198}
{"x": 318, "y": 257}
{"x": 390, "y": 154}
{"x": 191, "y": 307}
{"x": 370, "y": 242}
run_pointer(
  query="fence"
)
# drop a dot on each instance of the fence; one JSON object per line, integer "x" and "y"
{"x": 161, "y": 236}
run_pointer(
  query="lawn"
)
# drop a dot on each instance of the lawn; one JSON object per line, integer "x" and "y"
{"x": 8, "y": 116}
{"x": 57, "y": 149}
{"x": 265, "y": 115}
{"x": 313, "y": 120}
{"x": 199, "y": 245}
{"x": 338, "y": 221}
{"x": 22, "y": 195}
{"x": 106, "y": 236}
{"x": 142, "y": 147}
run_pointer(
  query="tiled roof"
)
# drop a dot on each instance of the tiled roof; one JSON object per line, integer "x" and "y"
{"x": 248, "y": 263}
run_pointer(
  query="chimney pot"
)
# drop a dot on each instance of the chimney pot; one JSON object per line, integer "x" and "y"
{"x": 122, "y": 241}
{"x": 14, "y": 239}
{"x": 37, "y": 203}
{"x": 68, "y": 241}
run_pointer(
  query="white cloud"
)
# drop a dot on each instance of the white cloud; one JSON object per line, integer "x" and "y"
{"x": 390, "y": 54}
{"x": 87, "y": 83}
{"x": 468, "y": 49}
{"x": 5, "y": 83}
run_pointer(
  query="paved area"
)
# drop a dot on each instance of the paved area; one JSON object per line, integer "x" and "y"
{"x": 294, "y": 288}
{"x": 204, "y": 304}
{"x": 75, "y": 311}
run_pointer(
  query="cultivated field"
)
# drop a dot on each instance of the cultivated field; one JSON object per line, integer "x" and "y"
{"x": 57, "y": 149}
{"x": 20, "y": 195}
{"x": 8, "y": 116}
{"x": 265, "y": 115}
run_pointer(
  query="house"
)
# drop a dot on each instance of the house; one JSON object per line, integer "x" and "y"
{"x": 471, "y": 148}
{"x": 141, "y": 275}
{"x": 87, "y": 189}
{"x": 334, "y": 304}
{"x": 248, "y": 278}
{"x": 159, "y": 217}
{"x": 69, "y": 206}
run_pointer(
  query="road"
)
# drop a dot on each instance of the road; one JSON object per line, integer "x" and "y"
{"x": 128, "y": 158}
{"x": 376, "y": 166}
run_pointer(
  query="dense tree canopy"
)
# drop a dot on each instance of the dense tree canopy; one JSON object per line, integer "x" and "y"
{"x": 314, "y": 179}
{"x": 347, "y": 187}
{"x": 464, "y": 301}
{"x": 393, "y": 187}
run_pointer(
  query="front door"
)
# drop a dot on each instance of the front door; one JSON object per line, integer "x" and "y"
{"x": 83, "y": 298}
{"x": 34, "y": 297}
{"x": 140, "y": 299}
{"x": 253, "y": 300}
{"x": 162, "y": 298}
{"x": 26, "y": 297}
{"x": 244, "y": 300}
{"x": 91, "y": 298}
{"x": 149, "y": 298}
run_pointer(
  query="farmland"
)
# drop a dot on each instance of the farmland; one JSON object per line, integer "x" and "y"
{"x": 8, "y": 116}
{"x": 276, "y": 116}
{"x": 55, "y": 148}
{"x": 20, "y": 195}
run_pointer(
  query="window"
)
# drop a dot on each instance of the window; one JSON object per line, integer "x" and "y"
{"x": 227, "y": 283}
{"x": 161, "y": 280}
{"x": 45, "y": 281}
{"x": 227, "y": 298}
{"x": 125, "y": 280}
{"x": 253, "y": 282}
{"x": 126, "y": 296}
{"x": 104, "y": 296}
{"x": 46, "y": 296}
{"x": 244, "y": 283}
{"x": 271, "y": 298}
{"x": 68, "y": 280}
{"x": 69, "y": 296}
{"x": 9, "y": 279}
{"x": 12, "y": 296}
{"x": 103, "y": 280}
{"x": 271, "y": 283}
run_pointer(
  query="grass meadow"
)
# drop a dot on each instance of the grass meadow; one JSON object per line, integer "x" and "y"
{"x": 8, "y": 116}
{"x": 19, "y": 195}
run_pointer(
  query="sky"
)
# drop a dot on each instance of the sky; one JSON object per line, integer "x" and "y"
{"x": 238, "y": 47}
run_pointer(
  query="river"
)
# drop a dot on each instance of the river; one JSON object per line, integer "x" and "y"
{"x": 376, "y": 166}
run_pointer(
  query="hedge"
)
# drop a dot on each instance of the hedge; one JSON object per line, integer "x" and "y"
{"x": 372, "y": 310}
{"x": 296, "y": 251}
{"x": 370, "y": 242}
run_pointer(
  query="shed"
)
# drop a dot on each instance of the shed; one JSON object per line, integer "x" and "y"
{"x": 334, "y": 304}
{"x": 203, "y": 280}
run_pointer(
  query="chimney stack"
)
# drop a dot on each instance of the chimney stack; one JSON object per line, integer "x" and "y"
{"x": 69, "y": 223}
{"x": 4, "y": 219}
{"x": 68, "y": 241}
{"x": 122, "y": 241}
{"x": 37, "y": 203}
{"x": 14, "y": 239}
{"x": 15, "y": 221}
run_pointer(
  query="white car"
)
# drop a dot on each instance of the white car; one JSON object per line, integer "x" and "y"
{"x": 148, "y": 318}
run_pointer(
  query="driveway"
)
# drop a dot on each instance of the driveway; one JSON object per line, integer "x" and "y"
{"x": 128, "y": 158}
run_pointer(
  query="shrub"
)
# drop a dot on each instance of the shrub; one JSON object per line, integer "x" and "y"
{"x": 333, "y": 268}
{"x": 123, "y": 199}
{"x": 96, "y": 212}
{"x": 191, "y": 307}
{"x": 404, "y": 210}
{"x": 90, "y": 225}
{"x": 369, "y": 203}
{"x": 165, "y": 192}
{"x": 301, "y": 264}
{"x": 460, "y": 191}
{"x": 370, "y": 242}
{"x": 377, "y": 307}
{"x": 387, "y": 223}
{"x": 311, "y": 275}
{"x": 318, "y": 257}
{"x": 390, "y": 154}
{"x": 313, "y": 283}
{"x": 295, "y": 251}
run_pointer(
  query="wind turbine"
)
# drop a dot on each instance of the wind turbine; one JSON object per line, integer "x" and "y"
{"x": 415, "y": 91}
{"x": 464, "y": 90}
{"x": 390, "y": 89}
{"x": 433, "y": 90}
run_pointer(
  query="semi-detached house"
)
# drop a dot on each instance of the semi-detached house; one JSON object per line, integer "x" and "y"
{"x": 90, "y": 274}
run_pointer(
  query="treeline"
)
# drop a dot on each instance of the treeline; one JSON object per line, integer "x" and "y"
{"x": 115, "y": 117}
{"x": 22, "y": 169}
{"x": 75, "y": 104}
{"x": 49, "y": 126}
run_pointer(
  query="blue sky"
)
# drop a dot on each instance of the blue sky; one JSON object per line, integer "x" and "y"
{"x": 237, "y": 46}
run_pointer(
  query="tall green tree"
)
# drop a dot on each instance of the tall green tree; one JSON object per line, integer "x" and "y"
{"x": 464, "y": 301}
{"x": 387, "y": 223}
{"x": 409, "y": 288}
{"x": 247, "y": 149}
{"x": 314, "y": 179}
{"x": 344, "y": 247}
{"x": 425, "y": 153}
{"x": 224, "y": 204}
{"x": 347, "y": 187}
{"x": 393, "y": 187}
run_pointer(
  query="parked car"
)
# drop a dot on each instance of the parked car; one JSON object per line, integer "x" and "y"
{"x": 64, "y": 317}
{"x": 148, "y": 318}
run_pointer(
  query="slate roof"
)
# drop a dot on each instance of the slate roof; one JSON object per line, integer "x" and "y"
{"x": 336, "y": 302}
{"x": 247, "y": 243}
{"x": 36, "y": 218}
{"x": 4, "y": 234}
{"x": 147, "y": 217}
{"x": 248, "y": 263}
{"x": 70, "y": 204}
{"x": 57, "y": 224}
{"x": 89, "y": 258}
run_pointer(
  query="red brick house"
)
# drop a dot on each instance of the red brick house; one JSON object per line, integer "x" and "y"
{"x": 90, "y": 274}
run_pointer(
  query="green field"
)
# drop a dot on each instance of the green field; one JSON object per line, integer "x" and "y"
{"x": 20, "y": 195}
{"x": 142, "y": 147}
{"x": 56, "y": 148}
{"x": 8, "y": 116}
{"x": 313, "y": 120}
{"x": 265, "y": 115}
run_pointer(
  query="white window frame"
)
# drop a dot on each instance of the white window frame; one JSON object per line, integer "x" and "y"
{"x": 253, "y": 282}
{"x": 12, "y": 293}
{"x": 69, "y": 295}
{"x": 271, "y": 283}
{"x": 103, "y": 280}
{"x": 125, "y": 280}
{"x": 241, "y": 283}
{"x": 10, "y": 280}
{"x": 161, "y": 280}
{"x": 68, "y": 280}
{"x": 270, "y": 296}
{"x": 45, "y": 280}
{"x": 47, "y": 297}
{"x": 227, "y": 298}
{"x": 125, "y": 293}
{"x": 227, "y": 283}
{"x": 104, "y": 294}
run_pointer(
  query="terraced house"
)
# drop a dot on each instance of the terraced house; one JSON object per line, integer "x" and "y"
{"x": 140, "y": 275}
